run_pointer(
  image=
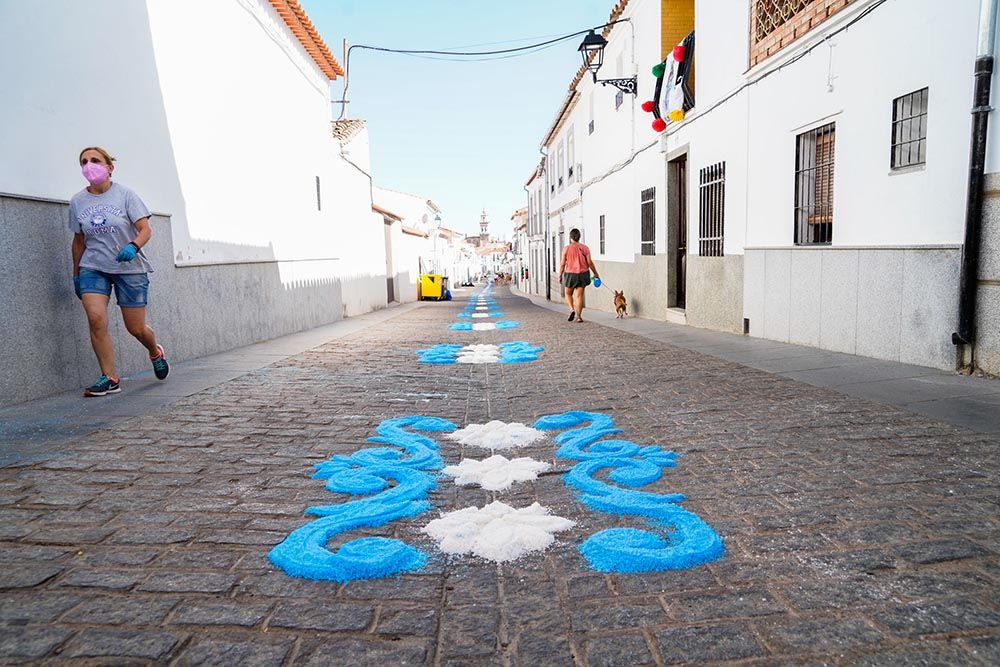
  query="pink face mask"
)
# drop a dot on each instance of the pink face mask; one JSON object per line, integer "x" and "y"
{"x": 95, "y": 173}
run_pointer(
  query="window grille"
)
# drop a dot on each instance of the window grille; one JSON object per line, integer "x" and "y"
{"x": 590, "y": 127}
{"x": 647, "y": 202}
{"x": 909, "y": 130}
{"x": 619, "y": 98}
{"x": 814, "y": 161}
{"x": 769, "y": 15}
{"x": 319, "y": 203}
{"x": 712, "y": 211}
{"x": 602, "y": 235}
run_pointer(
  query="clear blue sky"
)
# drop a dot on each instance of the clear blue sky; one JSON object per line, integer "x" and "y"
{"x": 464, "y": 134}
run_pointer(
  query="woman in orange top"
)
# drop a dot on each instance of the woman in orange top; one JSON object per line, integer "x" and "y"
{"x": 574, "y": 273}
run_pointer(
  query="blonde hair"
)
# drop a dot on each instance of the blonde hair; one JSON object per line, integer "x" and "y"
{"x": 106, "y": 155}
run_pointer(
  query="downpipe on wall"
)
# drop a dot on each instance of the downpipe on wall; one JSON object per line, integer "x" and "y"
{"x": 968, "y": 281}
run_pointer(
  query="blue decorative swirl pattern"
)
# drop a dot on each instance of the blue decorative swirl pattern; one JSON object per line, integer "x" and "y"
{"x": 680, "y": 539}
{"x": 368, "y": 471}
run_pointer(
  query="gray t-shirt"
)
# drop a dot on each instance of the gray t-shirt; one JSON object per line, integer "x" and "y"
{"x": 107, "y": 222}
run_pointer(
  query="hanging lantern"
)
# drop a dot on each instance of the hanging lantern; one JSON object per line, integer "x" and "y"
{"x": 592, "y": 51}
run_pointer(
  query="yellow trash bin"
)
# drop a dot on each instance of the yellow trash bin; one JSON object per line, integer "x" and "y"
{"x": 431, "y": 286}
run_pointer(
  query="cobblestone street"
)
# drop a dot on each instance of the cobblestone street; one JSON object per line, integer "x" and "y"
{"x": 855, "y": 533}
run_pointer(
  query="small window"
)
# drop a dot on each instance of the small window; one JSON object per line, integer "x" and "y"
{"x": 909, "y": 130}
{"x": 570, "y": 154}
{"x": 319, "y": 203}
{"x": 647, "y": 204}
{"x": 602, "y": 235}
{"x": 711, "y": 210}
{"x": 590, "y": 127}
{"x": 814, "y": 160}
{"x": 619, "y": 98}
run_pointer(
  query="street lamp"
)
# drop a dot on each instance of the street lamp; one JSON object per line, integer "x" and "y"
{"x": 592, "y": 51}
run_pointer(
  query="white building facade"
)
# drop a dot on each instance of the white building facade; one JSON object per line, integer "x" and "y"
{"x": 219, "y": 116}
{"x": 814, "y": 194}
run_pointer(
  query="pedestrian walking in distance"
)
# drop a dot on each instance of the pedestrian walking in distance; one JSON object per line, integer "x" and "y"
{"x": 110, "y": 225}
{"x": 574, "y": 273}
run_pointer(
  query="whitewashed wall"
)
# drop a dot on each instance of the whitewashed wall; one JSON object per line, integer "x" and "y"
{"x": 218, "y": 118}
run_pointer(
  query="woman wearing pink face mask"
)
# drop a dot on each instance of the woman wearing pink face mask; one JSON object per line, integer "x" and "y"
{"x": 110, "y": 225}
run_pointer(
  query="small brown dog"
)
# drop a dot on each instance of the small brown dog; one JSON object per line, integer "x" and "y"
{"x": 620, "y": 304}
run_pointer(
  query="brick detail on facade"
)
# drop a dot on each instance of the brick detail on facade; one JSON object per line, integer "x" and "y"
{"x": 766, "y": 40}
{"x": 676, "y": 21}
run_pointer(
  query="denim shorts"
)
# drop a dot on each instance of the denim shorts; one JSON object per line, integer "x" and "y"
{"x": 131, "y": 289}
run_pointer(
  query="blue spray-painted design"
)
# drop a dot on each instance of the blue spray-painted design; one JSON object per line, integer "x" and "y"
{"x": 679, "y": 539}
{"x": 518, "y": 352}
{"x": 501, "y": 324}
{"x": 368, "y": 471}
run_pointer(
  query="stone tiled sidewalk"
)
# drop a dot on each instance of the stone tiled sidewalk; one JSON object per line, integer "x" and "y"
{"x": 855, "y": 533}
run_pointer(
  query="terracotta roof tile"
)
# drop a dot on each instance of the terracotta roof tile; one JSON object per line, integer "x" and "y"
{"x": 344, "y": 130}
{"x": 298, "y": 22}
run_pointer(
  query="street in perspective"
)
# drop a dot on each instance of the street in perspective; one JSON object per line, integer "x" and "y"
{"x": 576, "y": 332}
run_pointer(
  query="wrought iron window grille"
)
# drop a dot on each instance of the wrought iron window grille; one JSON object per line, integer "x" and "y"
{"x": 711, "y": 210}
{"x": 769, "y": 15}
{"x": 647, "y": 207}
{"x": 602, "y": 234}
{"x": 814, "y": 164}
{"x": 590, "y": 127}
{"x": 909, "y": 130}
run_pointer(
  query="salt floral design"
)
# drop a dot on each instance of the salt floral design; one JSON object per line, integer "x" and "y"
{"x": 679, "y": 539}
{"x": 496, "y": 473}
{"x": 497, "y": 435}
{"x": 496, "y": 532}
{"x": 479, "y": 315}
{"x": 505, "y": 353}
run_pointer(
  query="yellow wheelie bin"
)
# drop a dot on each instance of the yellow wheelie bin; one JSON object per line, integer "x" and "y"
{"x": 432, "y": 286}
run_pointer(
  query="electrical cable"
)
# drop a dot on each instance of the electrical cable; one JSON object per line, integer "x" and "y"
{"x": 435, "y": 52}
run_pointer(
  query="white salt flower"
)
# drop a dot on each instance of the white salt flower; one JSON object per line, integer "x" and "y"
{"x": 497, "y": 532}
{"x": 482, "y": 307}
{"x": 478, "y": 354}
{"x": 484, "y": 326}
{"x": 497, "y": 435}
{"x": 496, "y": 473}
{"x": 480, "y": 314}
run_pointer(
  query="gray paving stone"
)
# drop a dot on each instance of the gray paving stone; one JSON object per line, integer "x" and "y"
{"x": 247, "y": 653}
{"x": 931, "y": 618}
{"x": 708, "y": 643}
{"x": 469, "y": 631}
{"x": 617, "y": 617}
{"x": 729, "y": 604}
{"x": 115, "y": 580}
{"x": 35, "y": 606}
{"x": 30, "y": 643}
{"x": 120, "y": 644}
{"x": 618, "y": 651}
{"x": 121, "y": 610}
{"x": 188, "y": 582}
{"x": 940, "y": 551}
{"x": 26, "y": 576}
{"x": 825, "y": 635}
{"x": 320, "y": 615}
{"x": 369, "y": 653}
{"x": 208, "y": 612}
{"x": 416, "y": 622}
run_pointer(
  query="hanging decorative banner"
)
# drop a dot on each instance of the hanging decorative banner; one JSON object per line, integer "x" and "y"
{"x": 680, "y": 539}
{"x": 672, "y": 97}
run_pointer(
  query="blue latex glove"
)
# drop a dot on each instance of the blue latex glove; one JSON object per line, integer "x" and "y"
{"x": 76, "y": 287}
{"x": 127, "y": 254}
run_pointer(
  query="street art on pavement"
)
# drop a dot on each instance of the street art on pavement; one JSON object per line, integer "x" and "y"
{"x": 505, "y": 353}
{"x": 408, "y": 463}
{"x": 680, "y": 539}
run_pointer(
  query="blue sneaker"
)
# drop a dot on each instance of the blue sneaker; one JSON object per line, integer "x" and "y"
{"x": 103, "y": 386}
{"x": 160, "y": 366}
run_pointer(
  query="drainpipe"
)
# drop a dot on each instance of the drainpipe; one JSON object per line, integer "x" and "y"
{"x": 548, "y": 254}
{"x": 966, "y": 334}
